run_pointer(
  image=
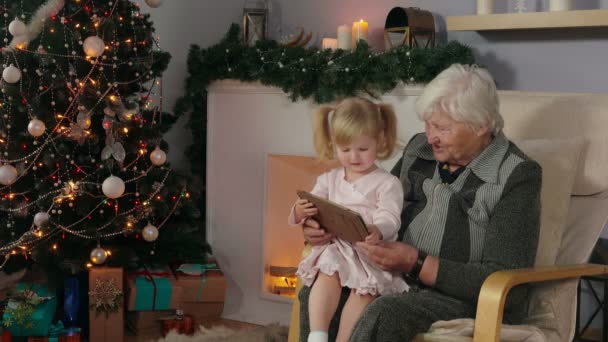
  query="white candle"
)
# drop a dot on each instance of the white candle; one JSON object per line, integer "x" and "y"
{"x": 485, "y": 6}
{"x": 329, "y": 43}
{"x": 560, "y": 5}
{"x": 359, "y": 31}
{"x": 344, "y": 37}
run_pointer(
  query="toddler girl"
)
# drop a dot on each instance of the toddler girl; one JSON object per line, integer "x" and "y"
{"x": 357, "y": 132}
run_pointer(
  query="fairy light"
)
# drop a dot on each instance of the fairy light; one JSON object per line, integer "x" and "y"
{"x": 65, "y": 120}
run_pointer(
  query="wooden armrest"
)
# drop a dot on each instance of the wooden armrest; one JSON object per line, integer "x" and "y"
{"x": 494, "y": 291}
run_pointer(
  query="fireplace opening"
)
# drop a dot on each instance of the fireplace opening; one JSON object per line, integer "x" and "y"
{"x": 285, "y": 174}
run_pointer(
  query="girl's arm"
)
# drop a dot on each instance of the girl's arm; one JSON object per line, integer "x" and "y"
{"x": 302, "y": 208}
{"x": 387, "y": 216}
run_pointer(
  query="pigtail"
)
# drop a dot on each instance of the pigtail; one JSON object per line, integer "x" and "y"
{"x": 322, "y": 136}
{"x": 389, "y": 133}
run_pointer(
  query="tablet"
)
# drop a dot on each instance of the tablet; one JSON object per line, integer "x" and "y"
{"x": 336, "y": 219}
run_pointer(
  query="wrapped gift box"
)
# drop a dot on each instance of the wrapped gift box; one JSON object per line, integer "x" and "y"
{"x": 147, "y": 322}
{"x": 153, "y": 291}
{"x": 104, "y": 327}
{"x": 201, "y": 283}
{"x": 204, "y": 287}
{"x": 39, "y": 322}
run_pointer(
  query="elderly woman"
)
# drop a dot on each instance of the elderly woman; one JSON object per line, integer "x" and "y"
{"x": 472, "y": 207}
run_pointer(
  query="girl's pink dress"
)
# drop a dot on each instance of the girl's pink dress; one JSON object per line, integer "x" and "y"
{"x": 378, "y": 198}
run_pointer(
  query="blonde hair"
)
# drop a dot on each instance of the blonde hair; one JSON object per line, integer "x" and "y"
{"x": 352, "y": 118}
{"x": 467, "y": 93}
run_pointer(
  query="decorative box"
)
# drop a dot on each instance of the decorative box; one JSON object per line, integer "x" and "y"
{"x": 152, "y": 291}
{"x": 39, "y": 322}
{"x": 106, "y": 292}
{"x": 204, "y": 288}
{"x": 201, "y": 283}
{"x": 147, "y": 322}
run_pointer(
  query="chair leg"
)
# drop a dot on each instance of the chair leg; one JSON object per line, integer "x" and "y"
{"x": 294, "y": 324}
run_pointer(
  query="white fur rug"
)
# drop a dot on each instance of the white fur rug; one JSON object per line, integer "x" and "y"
{"x": 269, "y": 333}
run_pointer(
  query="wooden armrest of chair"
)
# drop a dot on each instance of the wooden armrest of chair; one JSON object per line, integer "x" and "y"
{"x": 494, "y": 291}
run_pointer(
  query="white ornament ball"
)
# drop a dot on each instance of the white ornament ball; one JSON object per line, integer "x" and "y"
{"x": 11, "y": 74}
{"x": 16, "y": 27}
{"x": 113, "y": 187}
{"x": 154, "y": 3}
{"x": 8, "y": 174}
{"x": 93, "y": 46}
{"x": 36, "y": 127}
{"x": 98, "y": 255}
{"x": 149, "y": 233}
{"x": 41, "y": 218}
{"x": 158, "y": 157}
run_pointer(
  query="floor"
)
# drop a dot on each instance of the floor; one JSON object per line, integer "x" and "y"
{"x": 155, "y": 335}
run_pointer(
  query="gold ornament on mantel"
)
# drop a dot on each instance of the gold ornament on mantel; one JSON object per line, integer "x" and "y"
{"x": 106, "y": 297}
{"x": 413, "y": 27}
{"x": 298, "y": 38}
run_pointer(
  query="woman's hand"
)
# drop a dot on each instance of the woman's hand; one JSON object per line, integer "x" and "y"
{"x": 392, "y": 256}
{"x": 303, "y": 208}
{"x": 314, "y": 234}
{"x": 374, "y": 235}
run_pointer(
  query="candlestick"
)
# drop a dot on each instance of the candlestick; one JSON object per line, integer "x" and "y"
{"x": 359, "y": 32}
{"x": 560, "y": 5}
{"x": 344, "y": 37}
{"x": 329, "y": 43}
{"x": 485, "y": 6}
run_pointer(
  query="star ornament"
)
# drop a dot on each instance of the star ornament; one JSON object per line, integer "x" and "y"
{"x": 106, "y": 297}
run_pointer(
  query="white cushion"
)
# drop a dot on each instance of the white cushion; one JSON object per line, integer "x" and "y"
{"x": 559, "y": 159}
{"x": 462, "y": 330}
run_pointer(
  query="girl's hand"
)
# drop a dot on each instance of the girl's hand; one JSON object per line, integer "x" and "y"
{"x": 314, "y": 234}
{"x": 304, "y": 208}
{"x": 374, "y": 235}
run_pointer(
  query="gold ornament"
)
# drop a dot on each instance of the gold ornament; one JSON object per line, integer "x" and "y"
{"x": 105, "y": 296}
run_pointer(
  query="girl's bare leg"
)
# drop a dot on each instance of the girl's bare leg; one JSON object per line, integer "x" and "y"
{"x": 354, "y": 307}
{"x": 323, "y": 301}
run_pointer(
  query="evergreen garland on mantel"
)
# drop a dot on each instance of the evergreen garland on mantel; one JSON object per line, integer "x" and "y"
{"x": 320, "y": 75}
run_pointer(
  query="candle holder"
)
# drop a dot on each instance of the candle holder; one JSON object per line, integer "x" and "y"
{"x": 255, "y": 21}
{"x": 409, "y": 26}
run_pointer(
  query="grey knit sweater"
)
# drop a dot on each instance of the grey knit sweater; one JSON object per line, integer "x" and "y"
{"x": 486, "y": 220}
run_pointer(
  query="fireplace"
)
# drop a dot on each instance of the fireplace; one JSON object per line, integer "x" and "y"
{"x": 283, "y": 244}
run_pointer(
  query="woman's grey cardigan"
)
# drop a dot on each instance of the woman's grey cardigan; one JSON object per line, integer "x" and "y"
{"x": 486, "y": 220}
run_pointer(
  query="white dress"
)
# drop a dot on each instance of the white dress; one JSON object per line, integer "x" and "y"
{"x": 378, "y": 198}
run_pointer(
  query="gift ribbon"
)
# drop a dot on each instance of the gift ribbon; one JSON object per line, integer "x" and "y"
{"x": 149, "y": 276}
{"x": 204, "y": 268}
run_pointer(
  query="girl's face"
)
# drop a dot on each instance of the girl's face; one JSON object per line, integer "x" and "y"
{"x": 358, "y": 157}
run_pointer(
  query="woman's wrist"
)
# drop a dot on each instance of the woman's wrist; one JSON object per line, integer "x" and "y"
{"x": 418, "y": 263}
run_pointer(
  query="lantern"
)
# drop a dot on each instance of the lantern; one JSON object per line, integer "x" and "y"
{"x": 255, "y": 21}
{"x": 409, "y": 26}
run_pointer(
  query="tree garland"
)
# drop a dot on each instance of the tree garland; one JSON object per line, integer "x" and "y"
{"x": 320, "y": 75}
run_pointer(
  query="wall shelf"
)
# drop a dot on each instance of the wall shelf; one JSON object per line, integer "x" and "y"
{"x": 532, "y": 20}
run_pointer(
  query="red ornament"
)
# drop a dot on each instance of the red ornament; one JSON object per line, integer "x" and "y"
{"x": 183, "y": 324}
{"x": 6, "y": 335}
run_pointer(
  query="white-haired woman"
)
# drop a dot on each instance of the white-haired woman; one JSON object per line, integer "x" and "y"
{"x": 471, "y": 207}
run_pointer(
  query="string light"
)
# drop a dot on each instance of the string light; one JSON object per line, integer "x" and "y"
{"x": 65, "y": 128}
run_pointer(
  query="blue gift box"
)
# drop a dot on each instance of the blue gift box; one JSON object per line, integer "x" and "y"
{"x": 42, "y": 316}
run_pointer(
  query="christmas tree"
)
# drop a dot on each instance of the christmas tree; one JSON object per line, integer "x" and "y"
{"x": 83, "y": 175}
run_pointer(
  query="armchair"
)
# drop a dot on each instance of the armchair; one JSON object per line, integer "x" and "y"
{"x": 574, "y": 203}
